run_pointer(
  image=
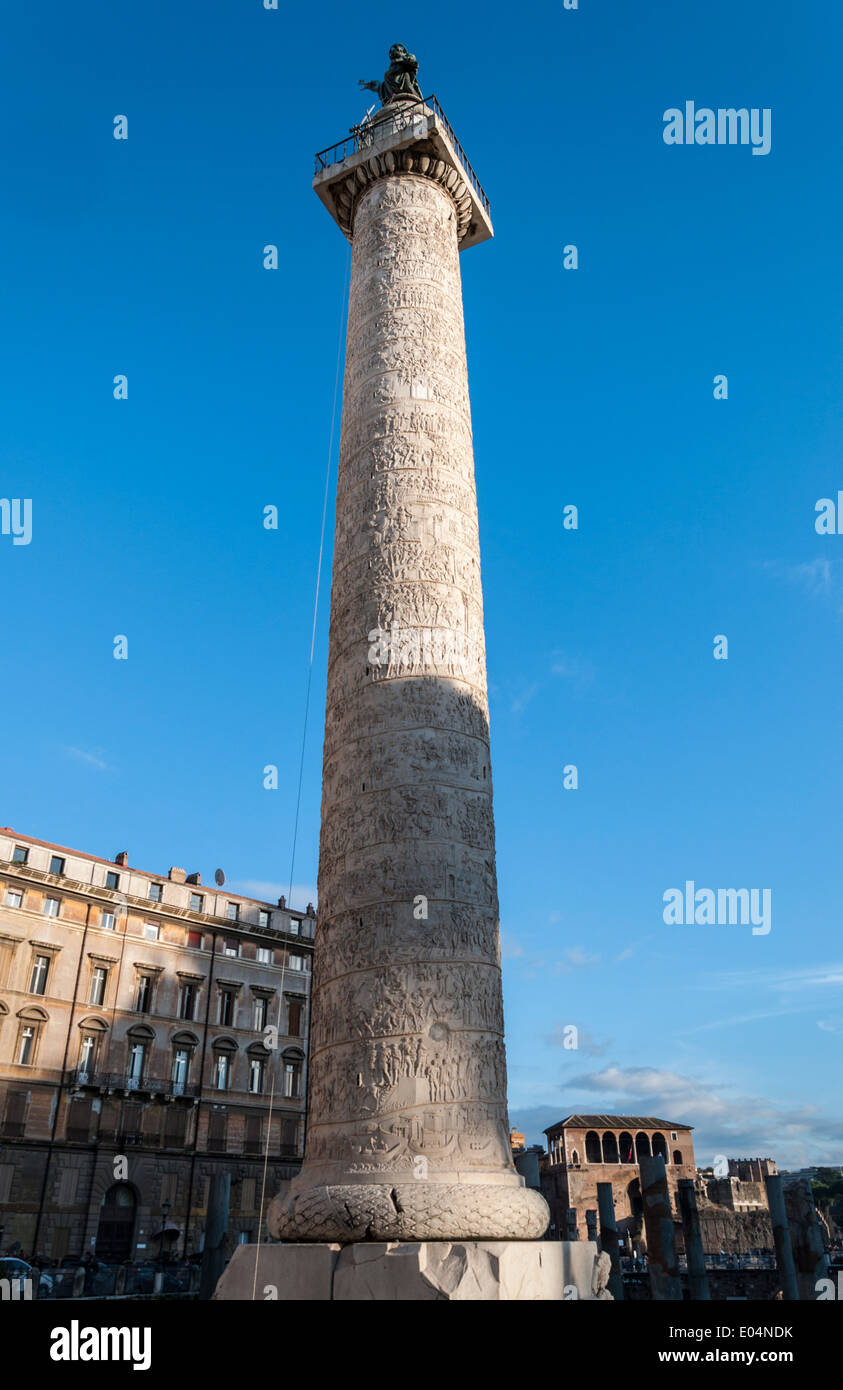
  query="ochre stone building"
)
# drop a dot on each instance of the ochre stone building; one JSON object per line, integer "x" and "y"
{"x": 584, "y": 1150}
{"x": 135, "y": 1060}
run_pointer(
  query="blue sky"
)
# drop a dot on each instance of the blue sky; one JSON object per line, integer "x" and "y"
{"x": 592, "y": 387}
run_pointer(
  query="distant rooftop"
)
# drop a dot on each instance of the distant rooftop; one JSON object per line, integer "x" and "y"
{"x": 616, "y": 1122}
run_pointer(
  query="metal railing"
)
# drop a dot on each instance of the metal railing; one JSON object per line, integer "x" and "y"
{"x": 363, "y": 137}
{"x": 119, "y": 1081}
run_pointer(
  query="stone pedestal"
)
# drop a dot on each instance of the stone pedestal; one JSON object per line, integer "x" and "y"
{"x": 417, "y": 1271}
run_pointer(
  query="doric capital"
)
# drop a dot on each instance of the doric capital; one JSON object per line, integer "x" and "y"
{"x": 409, "y": 137}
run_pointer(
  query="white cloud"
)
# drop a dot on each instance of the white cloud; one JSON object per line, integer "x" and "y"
{"x": 575, "y": 958}
{"x": 93, "y": 759}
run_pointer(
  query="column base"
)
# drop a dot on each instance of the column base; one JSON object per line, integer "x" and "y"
{"x": 410, "y": 1271}
{"x": 409, "y": 1212}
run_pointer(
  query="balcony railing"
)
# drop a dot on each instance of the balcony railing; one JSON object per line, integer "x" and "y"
{"x": 119, "y": 1081}
{"x": 363, "y": 136}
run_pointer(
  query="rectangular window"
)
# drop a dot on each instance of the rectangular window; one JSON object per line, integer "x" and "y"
{"x": 232, "y": 912}
{"x": 107, "y": 921}
{"x": 98, "y": 980}
{"x": 38, "y": 975}
{"x": 86, "y": 1056}
{"x": 51, "y": 907}
{"x": 144, "y": 996}
{"x": 112, "y": 881}
{"x": 292, "y": 1079}
{"x": 14, "y": 1120}
{"x": 14, "y": 897}
{"x": 197, "y": 902}
{"x": 263, "y": 918}
{"x": 26, "y": 1046}
{"x": 151, "y": 931}
{"x": 20, "y": 854}
{"x": 252, "y": 1138}
{"x": 264, "y": 955}
{"x": 216, "y": 1129}
{"x": 78, "y": 1128}
{"x": 226, "y": 1011}
{"x": 175, "y": 1127}
{"x": 295, "y": 1018}
{"x": 137, "y": 1058}
{"x": 155, "y": 892}
{"x": 222, "y": 1073}
{"x": 57, "y": 865}
{"x": 181, "y": 1066}
{"x": 194, "y": 940}
{"x": 295, "y": 926}
{"x": 296, "y": 962}
{"x": 231, "y": 946}
{"x": 259, "y": 1014}
{"x": 256, "y": 1071}
{"x": 187, "y": 1003}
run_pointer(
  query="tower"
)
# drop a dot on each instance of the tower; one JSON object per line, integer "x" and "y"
{"x": 407, "y": 1134}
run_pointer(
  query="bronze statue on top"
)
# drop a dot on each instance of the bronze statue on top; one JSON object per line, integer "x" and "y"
{"x": 399, "y": 81}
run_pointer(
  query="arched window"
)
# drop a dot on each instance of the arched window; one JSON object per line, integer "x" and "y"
{"x": 642, "y": 1146}
{"x": 258, "y": 1058}
{"x": 139, "y": 1042}
{"x": 627, "y": 1148}
{"x": 92, "y": 1032}
{"x": 593, "y": 1153}
{"x": 293, "y": 1068}
{"x": 575, "y": 1159}
{"x": 610, "y": 1149}
{"x": 677, "y": 1157}
{"x": 184, "y": 1044}
{"x": 32, "y": 1019}
{"x": 225, "y": 1050}
{"x": 660, "y": 1147}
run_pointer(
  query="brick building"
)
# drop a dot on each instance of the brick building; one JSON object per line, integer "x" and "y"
{"x": 137, "y": 1052}
{"x": 584, "y": 1150}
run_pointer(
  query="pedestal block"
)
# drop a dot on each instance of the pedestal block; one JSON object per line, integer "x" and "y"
{"x": 418, "y": 1271}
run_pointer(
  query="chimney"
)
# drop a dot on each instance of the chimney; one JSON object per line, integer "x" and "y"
{"x": 177, "y": 876}
{"x": 122, "y": 857}
{"x": 194, "y": 878}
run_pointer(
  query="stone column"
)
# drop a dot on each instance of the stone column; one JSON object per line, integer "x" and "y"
{"x": 781, "y": 1235}
{"x": 694, "y": 1253}
{"x": 216, "y": 1233}
{"x": 609, "y": 1236}
{"x": 665, "y": 1282}
{"x": 407, "y": 1134}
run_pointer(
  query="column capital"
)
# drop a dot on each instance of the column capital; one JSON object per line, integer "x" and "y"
{"x": 410, "y": 137}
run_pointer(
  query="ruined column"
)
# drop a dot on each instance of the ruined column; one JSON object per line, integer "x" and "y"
{"x": 694, "y": 1253}
{"x": 810, "y": 1258}
{"x": 785, "y": 1264}
{"x": 407, "y": 1132}
{"x": 216, "y": 1233}
{"x": 665, "y": 1283}
{"x": 609, "y": 1236}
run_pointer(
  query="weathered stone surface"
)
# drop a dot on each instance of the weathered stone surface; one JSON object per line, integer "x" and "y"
{"x": 300, "y": 1273}
{"x": 419, "y": 1271}
{"x": 407, "y": 1135}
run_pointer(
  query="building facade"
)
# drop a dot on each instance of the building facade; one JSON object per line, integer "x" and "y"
{"x": 153, "y": 1032}
{"x": 584, "y": 1150}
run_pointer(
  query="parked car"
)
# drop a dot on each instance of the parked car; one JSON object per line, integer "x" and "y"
{"x": 12, "y": 1268}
